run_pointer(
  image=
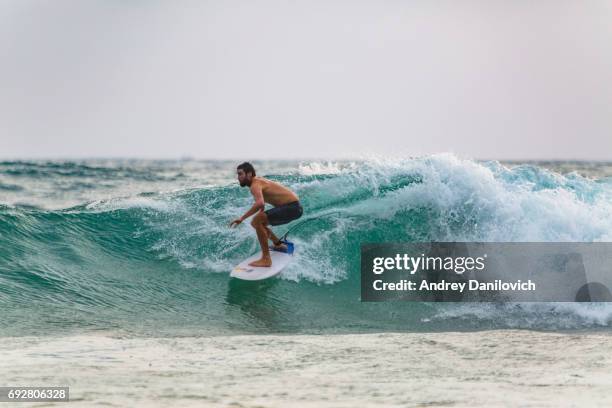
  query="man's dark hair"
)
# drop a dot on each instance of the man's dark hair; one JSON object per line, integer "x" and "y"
{"x": 247, "y": 168}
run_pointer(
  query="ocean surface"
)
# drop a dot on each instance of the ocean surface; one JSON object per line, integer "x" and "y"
{"x": 142, "y": 248}
{"x": 114, "y": 282}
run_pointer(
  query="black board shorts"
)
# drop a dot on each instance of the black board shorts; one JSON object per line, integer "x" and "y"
{"x": 284, "y": 213}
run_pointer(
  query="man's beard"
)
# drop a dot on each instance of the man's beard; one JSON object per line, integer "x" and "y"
{"x": 244, "y": 183}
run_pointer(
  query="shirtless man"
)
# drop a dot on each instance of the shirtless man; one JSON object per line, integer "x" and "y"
{"x": 286, "y": 208}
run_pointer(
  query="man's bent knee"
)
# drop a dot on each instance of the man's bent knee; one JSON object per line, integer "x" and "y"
{"x": 259, "y": 219}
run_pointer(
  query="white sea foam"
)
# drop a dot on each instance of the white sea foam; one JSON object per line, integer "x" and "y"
{"x": 468, "y": 369}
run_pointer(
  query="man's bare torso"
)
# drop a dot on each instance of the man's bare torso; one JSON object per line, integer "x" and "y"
{"x": 275, "y": 193}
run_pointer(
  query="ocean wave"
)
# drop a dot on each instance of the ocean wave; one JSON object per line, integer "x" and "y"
{"x": 159, "y": 254}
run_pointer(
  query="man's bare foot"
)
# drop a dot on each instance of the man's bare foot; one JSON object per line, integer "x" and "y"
{"x": 280, "y": 247}
{"x": 262, "y": 262}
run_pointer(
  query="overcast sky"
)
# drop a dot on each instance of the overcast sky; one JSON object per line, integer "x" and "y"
{"x": 306, "y": 79}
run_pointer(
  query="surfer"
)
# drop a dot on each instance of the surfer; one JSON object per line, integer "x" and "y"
{"x": 286, "y": 204}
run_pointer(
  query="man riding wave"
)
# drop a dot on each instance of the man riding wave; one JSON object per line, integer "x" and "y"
{"x": 286, "y": 204}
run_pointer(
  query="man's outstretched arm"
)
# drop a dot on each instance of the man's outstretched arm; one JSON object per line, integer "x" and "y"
{"x": 257, "y": 206}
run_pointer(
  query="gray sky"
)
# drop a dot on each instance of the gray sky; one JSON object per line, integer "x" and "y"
{"x": 301, "y": 79}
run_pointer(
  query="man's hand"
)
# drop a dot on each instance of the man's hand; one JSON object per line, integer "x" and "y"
{"x": 258, "y": 206}
{"x": 235, "y": 222}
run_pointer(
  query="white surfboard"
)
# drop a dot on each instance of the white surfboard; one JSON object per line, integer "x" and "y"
{"x": 247, "y": 272}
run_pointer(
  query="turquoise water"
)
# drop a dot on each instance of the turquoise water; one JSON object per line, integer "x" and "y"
{"x": 142, "y": 247}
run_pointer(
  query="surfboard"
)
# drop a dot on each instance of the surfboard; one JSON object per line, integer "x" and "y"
{"x": 247, "y": 272}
